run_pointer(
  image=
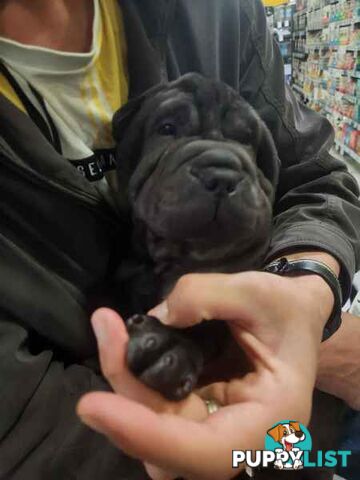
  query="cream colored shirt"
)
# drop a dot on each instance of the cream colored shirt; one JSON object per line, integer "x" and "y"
{"x": 81, "y": 91}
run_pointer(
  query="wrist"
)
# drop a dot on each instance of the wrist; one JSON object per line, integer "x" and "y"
{"x": 319, "y": 272}
{"x": 315, "y": 290}
{"x": 307, "y": 309}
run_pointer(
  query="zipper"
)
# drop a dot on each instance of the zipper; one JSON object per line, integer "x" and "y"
{"x": 167, "y": 16}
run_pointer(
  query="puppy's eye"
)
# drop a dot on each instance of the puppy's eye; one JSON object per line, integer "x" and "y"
{"x": 167, "y": 129}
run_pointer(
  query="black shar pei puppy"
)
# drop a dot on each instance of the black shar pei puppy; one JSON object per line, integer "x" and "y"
{"x": 197, "y": 172}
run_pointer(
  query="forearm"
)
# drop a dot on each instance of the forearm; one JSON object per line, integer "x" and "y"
{"x": 339, "y": 363}
{"x": 302, "y": 338}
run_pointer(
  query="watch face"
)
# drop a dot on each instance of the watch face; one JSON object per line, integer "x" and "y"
{"x": 278, "y": 267}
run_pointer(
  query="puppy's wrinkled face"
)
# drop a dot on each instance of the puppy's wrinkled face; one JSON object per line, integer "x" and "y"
{"x": 204, "y": 166}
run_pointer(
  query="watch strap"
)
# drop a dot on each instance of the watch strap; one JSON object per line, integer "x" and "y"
{"x": 283, "y": 266}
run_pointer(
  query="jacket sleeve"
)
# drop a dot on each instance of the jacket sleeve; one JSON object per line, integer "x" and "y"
{"x": 48, "y": 264}
{"x": 40, "y": 434}
{"x": 317, "y": 205}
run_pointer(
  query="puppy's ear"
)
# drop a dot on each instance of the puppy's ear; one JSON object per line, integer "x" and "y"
{"x": 296, "y": 426}
{"x": 123, "y": 117}
{"x": 128, "y": 131}
{"x": 276, "y": 432}
{"x": 267, "y": 156}
{"x": 128, "y": 127}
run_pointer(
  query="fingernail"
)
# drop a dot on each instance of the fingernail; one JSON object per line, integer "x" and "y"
{"x": 99, "y": 324}
{"x": 161, "y": 312}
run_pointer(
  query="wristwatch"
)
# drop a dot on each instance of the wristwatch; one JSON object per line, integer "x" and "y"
{"x": 283, "y": 266}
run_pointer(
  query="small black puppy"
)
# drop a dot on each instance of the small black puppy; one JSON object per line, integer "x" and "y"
{"x": 197, "y": 170}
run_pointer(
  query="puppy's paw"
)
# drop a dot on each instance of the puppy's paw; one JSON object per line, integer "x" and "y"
{"x": 163, "y": 357}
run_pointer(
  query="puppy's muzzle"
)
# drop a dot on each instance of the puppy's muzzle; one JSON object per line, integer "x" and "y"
{"x": 218, "y": 172}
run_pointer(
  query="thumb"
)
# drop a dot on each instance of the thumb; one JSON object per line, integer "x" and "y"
{"x": 171, "y": 442}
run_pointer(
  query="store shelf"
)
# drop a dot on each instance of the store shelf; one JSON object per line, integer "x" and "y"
{"x": 313, "y": 100}
{"x": 281, "y": 23}
{"x": 299, "y": 33}
{"x": 351, "y": 122}
{"x": 349, "y": 22}
{"x": 332, "y": 46}
{"x": 342, "y": 71}
{"x": 330, "y": 72}
{"x": 350, "y": 48}
{"x": 342, "y": 118}
{"x": 345, "y": 149}
{"x": 344, "y": 23}
{"x": 297, "y": 88}
{"x": 349, "y": 98}
{"x": 317, "y": 46}
{"x": 300, "y": 55}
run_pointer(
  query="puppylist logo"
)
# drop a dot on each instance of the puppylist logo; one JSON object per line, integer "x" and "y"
{"x": 287, "y": 447}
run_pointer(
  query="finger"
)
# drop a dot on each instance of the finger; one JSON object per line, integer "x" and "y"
{"x": 172, "y": 443}
{"x": 223, "y": 393}
{"x": 112, "y": 339}
{"x": 199, "y": 297}
{"x": 156, "y": 473}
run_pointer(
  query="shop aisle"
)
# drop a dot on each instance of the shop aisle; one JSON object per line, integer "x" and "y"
{"x": 325, "y": 64}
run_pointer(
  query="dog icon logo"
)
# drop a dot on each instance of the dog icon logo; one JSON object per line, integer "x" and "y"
{"x": 289, "y": 435}
{"x": 288, "y": 446}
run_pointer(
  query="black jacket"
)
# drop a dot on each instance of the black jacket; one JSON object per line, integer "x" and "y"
{"x": 59, "y": 234}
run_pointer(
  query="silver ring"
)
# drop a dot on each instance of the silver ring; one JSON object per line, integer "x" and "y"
{"x": 212, "y": 406}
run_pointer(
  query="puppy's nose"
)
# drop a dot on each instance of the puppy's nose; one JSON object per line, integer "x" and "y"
{"x": 299, "y": 434}
{"x": 220, "y": 180}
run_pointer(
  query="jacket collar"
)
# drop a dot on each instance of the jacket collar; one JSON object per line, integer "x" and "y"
{"x": 146, "y": 39}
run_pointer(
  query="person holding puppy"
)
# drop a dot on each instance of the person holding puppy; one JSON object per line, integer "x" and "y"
{"x": 66, "y": 67}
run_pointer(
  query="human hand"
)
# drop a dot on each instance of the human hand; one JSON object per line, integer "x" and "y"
{"x": 287, "y": 314}
{"x": 339, "y": 364}
{"x": 180, "y": 437}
